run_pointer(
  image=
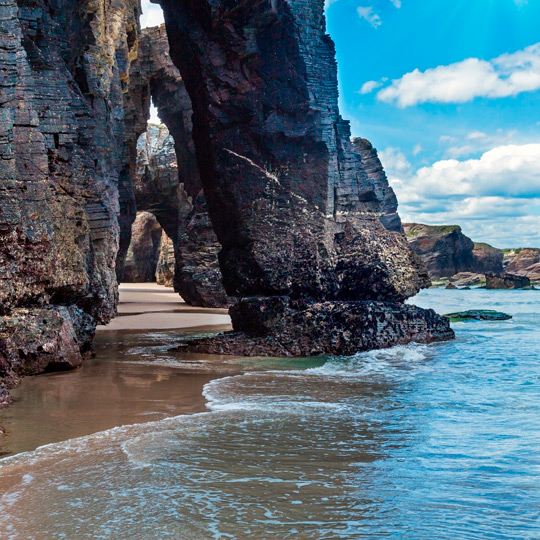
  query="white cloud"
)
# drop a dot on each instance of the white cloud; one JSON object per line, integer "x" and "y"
{"x": 417, "y": 149}
{"x": 152, "y": 14}
{"x": 395, "y": 162}
{"x": 478, "y": 141}
{"x": 506, "y": 75}
{"x": 369, "y": 86}
{"x": 495, "y": 198}
{"x": 396, "y": 3}
{"x": 370, "y": 16}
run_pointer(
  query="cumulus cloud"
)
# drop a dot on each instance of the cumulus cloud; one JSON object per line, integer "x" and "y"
{"x": 396, "y": 3}
{"x": 370, "y": 16}
{"x": 152, "y": 14}
{"x": 504, "y": 76}
{"x": 496, "y": 198}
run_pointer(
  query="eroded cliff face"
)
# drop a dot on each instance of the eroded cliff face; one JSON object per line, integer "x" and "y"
{"x": 487, "y": 258}
{"x": 445, "y": 250}
{"x": 64, "y": 70}
{"x": 174, "y": 192}
{"x": 297, "y": 215}
{"x": 184, "y": 218}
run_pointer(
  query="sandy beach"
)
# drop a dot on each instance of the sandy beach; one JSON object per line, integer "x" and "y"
{"x": 133, "y": 377}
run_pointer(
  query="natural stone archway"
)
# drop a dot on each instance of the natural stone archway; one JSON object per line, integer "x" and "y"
{"x": 294, "y": 211}
{"x": 179, "y": 202}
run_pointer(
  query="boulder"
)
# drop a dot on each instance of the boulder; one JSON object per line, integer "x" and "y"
{"x": 506, "y": 281}
{"x": 468, "y": 279}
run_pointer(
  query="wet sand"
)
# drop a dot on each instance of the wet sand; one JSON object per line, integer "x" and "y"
{"x": 148, "y": 306}
{"x": 133, "y": 378}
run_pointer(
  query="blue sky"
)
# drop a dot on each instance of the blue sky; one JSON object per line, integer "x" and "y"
{"x": 448, "y": 91}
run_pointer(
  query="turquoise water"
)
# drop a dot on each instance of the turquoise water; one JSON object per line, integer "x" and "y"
{"x": 417, "y": 442}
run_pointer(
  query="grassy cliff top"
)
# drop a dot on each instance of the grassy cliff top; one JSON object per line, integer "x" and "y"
{"x": 417, "y": 229}
{"x": 483, "y": 245}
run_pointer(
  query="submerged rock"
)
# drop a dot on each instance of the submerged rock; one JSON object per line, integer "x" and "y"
{"x": 478, "y": 315}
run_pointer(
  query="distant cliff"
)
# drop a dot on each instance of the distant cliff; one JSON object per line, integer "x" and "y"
{"x": 446, "y": 251}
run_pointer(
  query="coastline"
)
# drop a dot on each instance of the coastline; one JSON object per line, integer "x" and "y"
{"x": 123, "y": 383}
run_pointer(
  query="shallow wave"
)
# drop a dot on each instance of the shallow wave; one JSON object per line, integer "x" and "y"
{"x": 413, "y": 442}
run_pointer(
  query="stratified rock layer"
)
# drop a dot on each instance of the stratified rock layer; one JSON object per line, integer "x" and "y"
{"x": 185, "y": 219}
{"x": 383, "y": 195}
{"x": 64, "y": 68}
{"x": 526, "y": 263}
{"x": 297, "y": 215}
{"x": 445, "y": 250}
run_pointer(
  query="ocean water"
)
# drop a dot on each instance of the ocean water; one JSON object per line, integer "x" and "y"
{"x": 416, "y": 442}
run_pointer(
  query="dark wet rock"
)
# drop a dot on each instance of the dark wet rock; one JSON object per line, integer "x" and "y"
{"x": 197, "y": 276}
{"x": 144, "y": 250}
{"x": 486, "y": 259}
{"x": 384, "y": 194}
{"x": 296, "y": 213}
{"x": 64, "y": 174}
{"x": 173, "y": 192}
{"x": 445, "y": 250}
{"x": 507, "y": 281}
{"x": 37, "y": 340}
{"x": 450, "y": 286}
{"x": 166, "y": 262}
{"x": 478, "y": 315}
{"x": 281, "y": 327}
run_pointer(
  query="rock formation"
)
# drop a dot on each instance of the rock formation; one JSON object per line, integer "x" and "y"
{"x": 487, "y": 258}
{"x": 185, "y": 220}
{"x": 176, "y": 198}
{"x": 384, "y": 198}
{"x": 506, "y": 281}
{"x": 144, "y": 250}
{"x": 296, "y": 215}
{"x": 64, "y": 67}
{"x": 297, "y": 210}
{"x": 444, "y": 249}
{"x": 526, "y": 262}
{"x": 166, "y": 262}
